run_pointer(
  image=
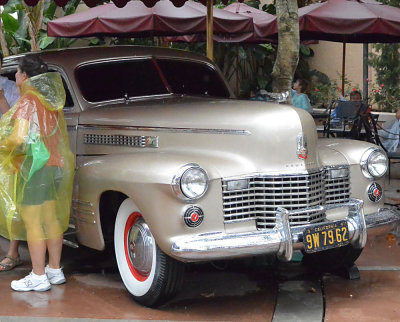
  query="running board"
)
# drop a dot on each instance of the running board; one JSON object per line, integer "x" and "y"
{"x": 70, "y": 243}
{"x": 71, "y": 232}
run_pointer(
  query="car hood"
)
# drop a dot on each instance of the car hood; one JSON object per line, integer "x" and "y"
{"x": 262, "y": 134}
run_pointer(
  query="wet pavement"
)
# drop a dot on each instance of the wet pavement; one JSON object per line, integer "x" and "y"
{"x": 248, "y": 290}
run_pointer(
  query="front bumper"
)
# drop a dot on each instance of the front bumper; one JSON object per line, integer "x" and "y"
{"x": 283, "y": 239}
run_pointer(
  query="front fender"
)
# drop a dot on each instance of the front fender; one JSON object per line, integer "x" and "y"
{"x": 146, "y": 178}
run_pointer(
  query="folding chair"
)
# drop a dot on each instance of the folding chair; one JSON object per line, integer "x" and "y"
{"x": 344, "y": 111}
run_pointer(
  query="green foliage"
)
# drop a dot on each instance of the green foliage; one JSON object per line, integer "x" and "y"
{"x": 322, "y": 90}
{"x": 386, "y": 61}
{"x": 386, "y": 97}
{"x": 49, "y": 14}
{"x": 16, "y": 30}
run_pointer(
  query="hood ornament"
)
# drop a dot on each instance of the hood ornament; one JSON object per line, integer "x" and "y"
{"x": 302, "y": 150}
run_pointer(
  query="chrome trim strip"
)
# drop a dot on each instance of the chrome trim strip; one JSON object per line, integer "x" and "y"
{"x": 219, "y": 245}
{"x": 82, "y": 202}
{"x": 83, "y": 211}
{"x": 88, "y": 221}
{"x": 162, "y": 129}
{"x": 129, "y": 100}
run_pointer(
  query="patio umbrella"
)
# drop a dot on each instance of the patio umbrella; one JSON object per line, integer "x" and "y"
{"x": 137, "y": 20}
{"x": 263, "y": 23}
{"x": 350, "y": 21}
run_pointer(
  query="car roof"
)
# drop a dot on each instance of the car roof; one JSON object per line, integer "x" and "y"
{"x": 84, "y": 54}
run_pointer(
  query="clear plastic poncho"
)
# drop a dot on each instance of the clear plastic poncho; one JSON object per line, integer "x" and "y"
{"x": 36, "y": 163}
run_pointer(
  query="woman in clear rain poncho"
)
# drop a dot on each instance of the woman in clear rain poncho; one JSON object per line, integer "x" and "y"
{"x": 36, "y": 172}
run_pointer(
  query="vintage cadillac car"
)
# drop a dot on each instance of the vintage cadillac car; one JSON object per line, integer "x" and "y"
{"x": 170, "y": 168}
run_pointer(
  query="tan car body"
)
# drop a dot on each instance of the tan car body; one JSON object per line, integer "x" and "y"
{"x": 228, "y": 138}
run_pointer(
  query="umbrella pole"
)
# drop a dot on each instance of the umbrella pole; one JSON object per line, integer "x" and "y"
{"x": 237, "y": 70}
{"x": 365, "y": 73}
{"x": 210, "y": 31}
{"x": 343, "y": 66}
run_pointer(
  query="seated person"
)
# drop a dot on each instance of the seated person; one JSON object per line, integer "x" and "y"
{"x": 359, "y": 108}
{"x": 355, "y": 96}
{"x": 299, "y": 99}
{"x": 389, "y": 134}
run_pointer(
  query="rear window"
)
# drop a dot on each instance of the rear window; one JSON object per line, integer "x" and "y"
{"x": 113, "y": 80}
{"x": 191, "y": 78}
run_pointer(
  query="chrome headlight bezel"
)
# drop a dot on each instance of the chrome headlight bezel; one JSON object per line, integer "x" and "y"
{"x": 366, "y": 160}
{"x": 177, "y": 183}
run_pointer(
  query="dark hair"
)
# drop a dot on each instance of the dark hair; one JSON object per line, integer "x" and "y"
{"x": 354, "y": 93}
{"x": 1, "y": 57}
{"x": 303, "y": 83}
{"x": 32, "y": 65}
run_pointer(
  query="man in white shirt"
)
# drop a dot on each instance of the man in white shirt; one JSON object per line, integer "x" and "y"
{"x": 9, "y": 95}
{"x": 389, "y": 135}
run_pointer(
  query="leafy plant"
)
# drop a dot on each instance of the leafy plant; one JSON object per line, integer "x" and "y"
{"x": 385, "y": 97}
{"x": 386, "y": 61}
{"x": 16, "y": 32}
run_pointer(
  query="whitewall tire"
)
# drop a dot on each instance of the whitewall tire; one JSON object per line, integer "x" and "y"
{"x": 148, "y": 274}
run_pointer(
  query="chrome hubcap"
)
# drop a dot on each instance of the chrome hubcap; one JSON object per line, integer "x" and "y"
{"x": 140, "y": 247}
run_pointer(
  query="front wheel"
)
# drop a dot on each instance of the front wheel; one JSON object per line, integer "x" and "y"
{"x": 332, "y": 259}
{"x": 150, "y": 276}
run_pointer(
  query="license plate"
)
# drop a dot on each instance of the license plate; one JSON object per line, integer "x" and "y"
{"x": 326, "y": 236}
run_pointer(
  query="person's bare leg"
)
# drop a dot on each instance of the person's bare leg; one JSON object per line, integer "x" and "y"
{"x": 37, "y": 250}
{"x": 54, "y": 233}
{"x": 35, "y": 237}
{"x": 54, "y": 246}
{"x": 12, "y": 252}
{"x": 13, "y": 249}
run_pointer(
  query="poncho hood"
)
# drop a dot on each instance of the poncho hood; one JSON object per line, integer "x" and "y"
{"x": 48, "y": 87}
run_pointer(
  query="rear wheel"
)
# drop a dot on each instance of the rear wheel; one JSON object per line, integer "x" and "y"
{"x": 332, "y": 259}
{"x": 149, "y": 275}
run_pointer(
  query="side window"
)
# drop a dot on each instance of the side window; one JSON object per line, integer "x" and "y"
{"x": 106, "y": 81}
{"x": 69, "y": 102}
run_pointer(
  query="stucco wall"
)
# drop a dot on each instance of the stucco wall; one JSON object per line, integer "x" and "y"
{"x": 328, "y": 59}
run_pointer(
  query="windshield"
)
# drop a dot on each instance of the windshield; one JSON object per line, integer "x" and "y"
{"x": 111, "y": 80}
{"x": 192, "y": 78}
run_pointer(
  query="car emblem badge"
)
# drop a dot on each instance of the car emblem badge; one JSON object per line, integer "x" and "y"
{"x": 375, "y": 192}
{"x": 302, "y": 151}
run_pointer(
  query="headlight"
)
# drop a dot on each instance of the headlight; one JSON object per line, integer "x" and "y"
{"x": 374, "y": 163}
{"x": 191, "y": 182}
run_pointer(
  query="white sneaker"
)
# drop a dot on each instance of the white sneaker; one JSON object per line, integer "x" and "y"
{"x": 31, "y": 282}
{"x": 55, "y": 276}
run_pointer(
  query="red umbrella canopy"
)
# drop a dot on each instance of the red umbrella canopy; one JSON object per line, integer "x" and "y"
{"x": 137, "y": 20}
{"x": 264, "y": 23}
{"x": 350, "y": 21}
{"x": 118, "y": 3}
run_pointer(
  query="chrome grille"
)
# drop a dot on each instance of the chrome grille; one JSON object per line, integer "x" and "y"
{"x": 336, "y": 190}
{"x": 264, "y": 194}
